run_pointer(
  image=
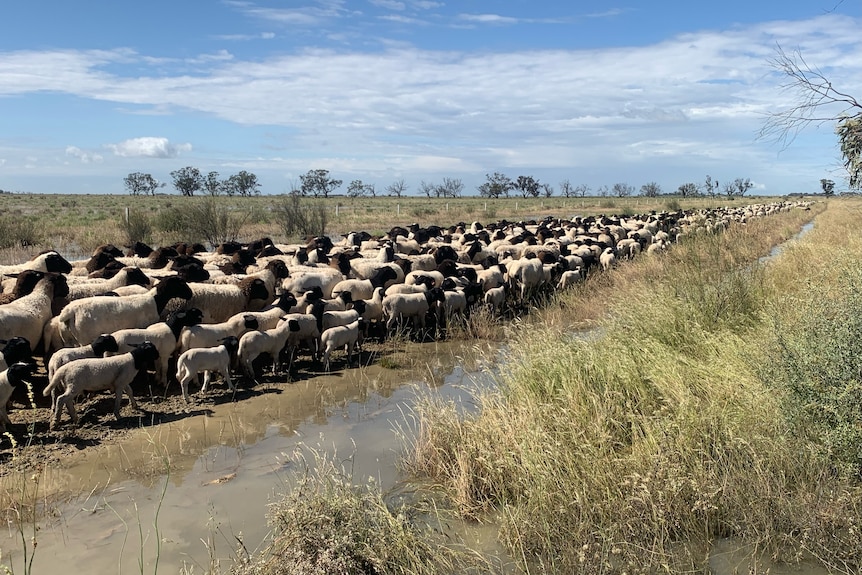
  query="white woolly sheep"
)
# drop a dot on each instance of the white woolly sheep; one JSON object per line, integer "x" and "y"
{"x": 364, "y": 288}
{"x": 218, "y": 302}
{"x": 525, "y": 275}
{"x": 399, "y": 307}
{"x": 608, "y": 259}
{"x": 337, "y": 337}
{"x": 104, "y": 343}
{"x": 127, "y": 276}
{"x": 495, "y": 297}
{"x": 207, "y": 359}
{"x": 114, "y": 373}
{"x": 305, "y": 278}
{"x": 570, "y": 278}
{"x": 84, "y": 319}
{"x": 272, "y": 341}
{"x": 26, "y": 316}
{"x": 164, "y": 335}
{"x": 10, "y": 377}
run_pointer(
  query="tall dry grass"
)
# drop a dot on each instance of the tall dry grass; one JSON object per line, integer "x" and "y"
{"x": 631, "y": 451}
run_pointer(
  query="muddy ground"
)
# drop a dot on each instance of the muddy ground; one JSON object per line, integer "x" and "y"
{"x": 36, "y": 445}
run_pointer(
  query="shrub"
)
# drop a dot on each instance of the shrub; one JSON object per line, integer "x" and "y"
{"x": 298, "y": 217}
{"x": 204, "y": 219}
{"x": 18, "y": 232}
{"x": 136, "y": 228}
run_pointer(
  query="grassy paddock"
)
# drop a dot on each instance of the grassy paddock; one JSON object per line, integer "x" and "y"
{"x": 632, "y": 451}
{"x": 76, "y": 224}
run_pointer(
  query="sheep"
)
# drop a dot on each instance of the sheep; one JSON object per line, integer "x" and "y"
{"x": 164, "y": 335}
{"x": 15, "y": 350}
{"x": 84, "y": 319}
{"x": 125, "y": 277}
{"x": 309, "y": 333}
{"x": 272, "y": 341}
{"x": 364, "y": 288}
{"x": 570, "y": 278}
{"x": 210, "y": 334}
{"x": 219, "y": 302}
{"x": 207, "y": 359}
{"x": 269, "y": 317}
{"x": 305, "y": 278}
{"x": 331, "y": 318}
{"x": 399, "y": 307}
{"x": 102, "y": 344}
{"x": 272, "y": 273}
{"x": 336, "y": 337}
{"x": 525, "y": 274}
{"x": 9, "y": 378}
{"x": 454, "y": 303}
{"x": 495, "y": 297}
{"x": 20, "y": 284}
{"x": 607, "y": 259}
{"x": 373, "y": 306}
{"x": 96, "y": 374}
{"x": 365, "y": 269}
{"x": 26, "y": 317}
{"x": 49, "y": 261}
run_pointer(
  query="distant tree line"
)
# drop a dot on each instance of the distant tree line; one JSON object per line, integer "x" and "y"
{"x": 190, "y": 180}
{"x": 318, "y": 183}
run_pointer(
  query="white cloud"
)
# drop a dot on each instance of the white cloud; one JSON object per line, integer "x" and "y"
{"x": 488, "y": 18}
{"x": 85, "y": 157}
{"x": 148, "y": 147}
{"x": 388, "y": 4}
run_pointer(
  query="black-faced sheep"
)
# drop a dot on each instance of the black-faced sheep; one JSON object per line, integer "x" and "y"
{"x": 114, "y": 373}
{"x": 208, "y": 360}
{"x": 84, "y": 319}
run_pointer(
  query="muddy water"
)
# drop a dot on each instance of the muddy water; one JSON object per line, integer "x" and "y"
{"x": 209, "y": 478}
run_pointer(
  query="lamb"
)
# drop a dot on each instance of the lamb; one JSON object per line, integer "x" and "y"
{"x": 272, "y": 341}
{"x": 607, "y": 259}
{"x": 399, "y": 307}
{"x": 84, "y": 319}
{"x": 495, "y": 297}
{"x": 104, "y": 343}
{"x": 570, "y": 278}
{"x": 309, "y": 333}
{"x": 207, "y": 359}
{"x": 365, "y": 269}
{"x": 164, "y": 335}
{"x": 269, "y": 317}
{"x": 96, "y": 374}
{"x": 346, "y": 336}
{"x": 332, "y": 318}
{"x": 15, "y": 350}
{"x": 26, "y": 317}
{"x": 305, "y": 278}
{"x": 9, "y": 378}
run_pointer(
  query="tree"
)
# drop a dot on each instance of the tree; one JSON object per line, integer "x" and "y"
{"x": 650, "y": 190}
{"x": 547, "y": 190}
{"x": 623, "y": 190}
{"x": 497, "y": 185}
{"x": 242, "y": 184}
{"x": 141, "y": 184}
{"x": 817, "y": 102}
{"x": 688, "y": 190}
{"x": 710, "y": 186}
{"x": 427, "y": 188}
{"x": 212, "y": 185}
{"x": 357, "y": 189}
{"x": 581, "y": 190}
{"x": 828, "y": 187}
{"x": 602, "y": 191}
{"x": 396, "y": 188}
{"x": 450, "y": 188}
{"x": 188, "y": 180}
{"x": 738, "y": 187}
{"x": 528, "y": 186}
{"x": 317, "y": 183}
{"x": 566, "y": 189}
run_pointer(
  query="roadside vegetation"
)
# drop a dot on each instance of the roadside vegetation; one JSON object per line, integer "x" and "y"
{"x": 720, "y": 399}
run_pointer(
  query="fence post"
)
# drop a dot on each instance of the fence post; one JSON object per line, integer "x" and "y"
{"x": 398, "y": 209}
{"x": 336, "y": 210}
{"x": 127, "y": 214}
{"x": 486, "y": 206}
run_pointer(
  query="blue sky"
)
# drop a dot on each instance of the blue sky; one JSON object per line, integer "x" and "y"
{"x": 597, "y": 93}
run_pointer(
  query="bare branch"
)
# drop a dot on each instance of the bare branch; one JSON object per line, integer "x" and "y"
{"x": 814, "y": 94}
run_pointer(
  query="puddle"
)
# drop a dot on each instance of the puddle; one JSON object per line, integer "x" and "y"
{"x": 775, "y": 251}
{"x": 225, "y": 468}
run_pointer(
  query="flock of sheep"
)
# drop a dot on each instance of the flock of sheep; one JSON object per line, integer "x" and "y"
{"x": 96, "y": 323}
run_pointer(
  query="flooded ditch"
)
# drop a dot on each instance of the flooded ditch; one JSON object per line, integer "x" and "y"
{"x": 209, "y": 477}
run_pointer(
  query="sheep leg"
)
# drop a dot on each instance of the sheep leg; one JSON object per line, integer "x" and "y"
{"x": 184, "y": 386}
